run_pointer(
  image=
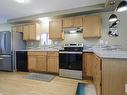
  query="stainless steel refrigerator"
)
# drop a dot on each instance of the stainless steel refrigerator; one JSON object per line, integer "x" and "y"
{"x": 9, "y": 42}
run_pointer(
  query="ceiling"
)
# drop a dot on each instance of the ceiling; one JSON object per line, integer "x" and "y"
{"x": 9, "y": 9}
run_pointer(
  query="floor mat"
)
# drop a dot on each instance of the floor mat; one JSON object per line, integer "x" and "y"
{"x": 40, "y": 77}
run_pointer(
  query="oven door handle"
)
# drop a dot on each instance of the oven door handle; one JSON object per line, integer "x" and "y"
{"x": 70, "y": 52}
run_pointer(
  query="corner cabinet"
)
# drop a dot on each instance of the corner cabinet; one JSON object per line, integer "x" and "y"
{"x": 92, "y": 26}
{"x": 55, "y": 30}
{"x": 31, "y": 31}
{"x": 88, "y": 60}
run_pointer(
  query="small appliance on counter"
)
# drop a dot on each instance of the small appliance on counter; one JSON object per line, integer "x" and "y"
{"x": 9, "y": 42}
{"x": 70, "y": 61}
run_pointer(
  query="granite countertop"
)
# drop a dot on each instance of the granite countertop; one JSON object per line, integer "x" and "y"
{"x": 109, "y": 53}
{"x": 101, "y": 53}
{"x": 39, "y": 50}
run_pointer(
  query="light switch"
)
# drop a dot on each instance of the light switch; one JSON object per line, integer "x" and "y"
{"x": 126, "y": 88}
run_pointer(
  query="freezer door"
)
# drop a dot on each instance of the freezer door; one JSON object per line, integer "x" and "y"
{"x": 5, "y": 63}
{"x": 17, "y": 41}
{"x": 5, "y": 43}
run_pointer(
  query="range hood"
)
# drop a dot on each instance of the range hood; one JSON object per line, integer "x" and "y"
{"x": 73, "y": 30}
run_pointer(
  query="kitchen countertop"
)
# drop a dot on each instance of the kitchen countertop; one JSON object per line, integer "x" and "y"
{"x": 101, "y": 53}
{"x": 39, "y": 50}
{"x": 109, "y": 53}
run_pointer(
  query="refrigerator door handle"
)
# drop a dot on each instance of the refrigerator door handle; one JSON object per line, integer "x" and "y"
{"x": 5, "y": 56}
{"x": 5, "y": 42}
{"x": 1, "y": 58}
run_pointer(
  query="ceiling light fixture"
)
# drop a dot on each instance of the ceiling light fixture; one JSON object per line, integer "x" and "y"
{"x": 22, "y": 1}
{"x": 122, "y": 6}
{"x": 113, "y": 18}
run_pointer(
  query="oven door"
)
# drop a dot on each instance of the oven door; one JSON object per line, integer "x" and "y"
{"x": 70, "y": 60}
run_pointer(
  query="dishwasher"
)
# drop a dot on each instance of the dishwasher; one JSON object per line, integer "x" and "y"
{"x": 21, "y": 61}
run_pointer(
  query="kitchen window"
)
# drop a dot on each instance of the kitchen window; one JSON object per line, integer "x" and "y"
{"x": 45, "y": 39}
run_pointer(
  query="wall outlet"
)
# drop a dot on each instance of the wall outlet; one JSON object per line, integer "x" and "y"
{"x": 126, "y": 88}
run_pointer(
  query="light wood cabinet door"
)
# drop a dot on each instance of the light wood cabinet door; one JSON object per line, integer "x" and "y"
{"x": 25, "y": 32}
{"x": 32, "y": 63}
{"x": 78, "y": 21}
{"x": 53, "y": 64}
{"x": 17, "y": 28}
{"x": 88, "y": 60}
{"x": 91, "y": 26}
{"x": 55, "y": 30}
{"x": 68, "y": 22}
{"x": 41, "y": 63}
{"x": 97, "y": 75}
{"x": 32, "y": 31}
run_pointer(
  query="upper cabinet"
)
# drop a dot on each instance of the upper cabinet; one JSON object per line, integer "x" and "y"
{"x": 17, "y": 28}
{"x": 31, "y": 31}
{"x": 76, "y": 21}
{"x": 55, "y": 30}
{"x": 92, "y": 26}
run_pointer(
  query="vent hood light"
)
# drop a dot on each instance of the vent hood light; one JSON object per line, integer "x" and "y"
{"x": 22, "y": 1}
{"x": 122, "y": 6}
{"x": 113, "y": 18}
{"x": 73, "y": 31}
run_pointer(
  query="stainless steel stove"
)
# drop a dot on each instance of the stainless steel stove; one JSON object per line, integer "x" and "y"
{"x": 70, "y": 61}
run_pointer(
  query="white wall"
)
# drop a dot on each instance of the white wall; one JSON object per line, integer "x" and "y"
{"x": 5, "y": 27}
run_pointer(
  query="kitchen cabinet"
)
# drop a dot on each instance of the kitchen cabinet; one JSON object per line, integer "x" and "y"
{"x": 97, "y": 74}
{"x": 37, "y": 61}
{"x": 69, "y": 22}
{"x": 31, "y": 31}
{"x": 32, "y": 62}
{"x": 55, "y": 30}
{"x": 53, "y": 62}
{"x": 88, "y": 60}
{"x": 92, "y": 26}
{"x": 109, "y": 75}
{"x": 41, "y": 63}
{"x": 17, "y": 28}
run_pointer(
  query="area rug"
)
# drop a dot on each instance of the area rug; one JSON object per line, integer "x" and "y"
{"x": 40, "y": 77}
{"x": 80, "y": 89}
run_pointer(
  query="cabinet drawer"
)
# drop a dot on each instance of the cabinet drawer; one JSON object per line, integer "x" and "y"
{"x": 53, "y": 53}
{"x": 41, "y": 53}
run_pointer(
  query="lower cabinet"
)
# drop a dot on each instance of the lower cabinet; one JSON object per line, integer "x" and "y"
{"x": 97, "y": 74}
{"x": 37, "y": 61}
{"x": 88, "y": 60}
{"x": 92, "y": 68}
{"x": 53, "y": 62}
{"x": 32, "y": 63}
{"x": 43, "y": 61}
{"x": 109, "y": 74}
